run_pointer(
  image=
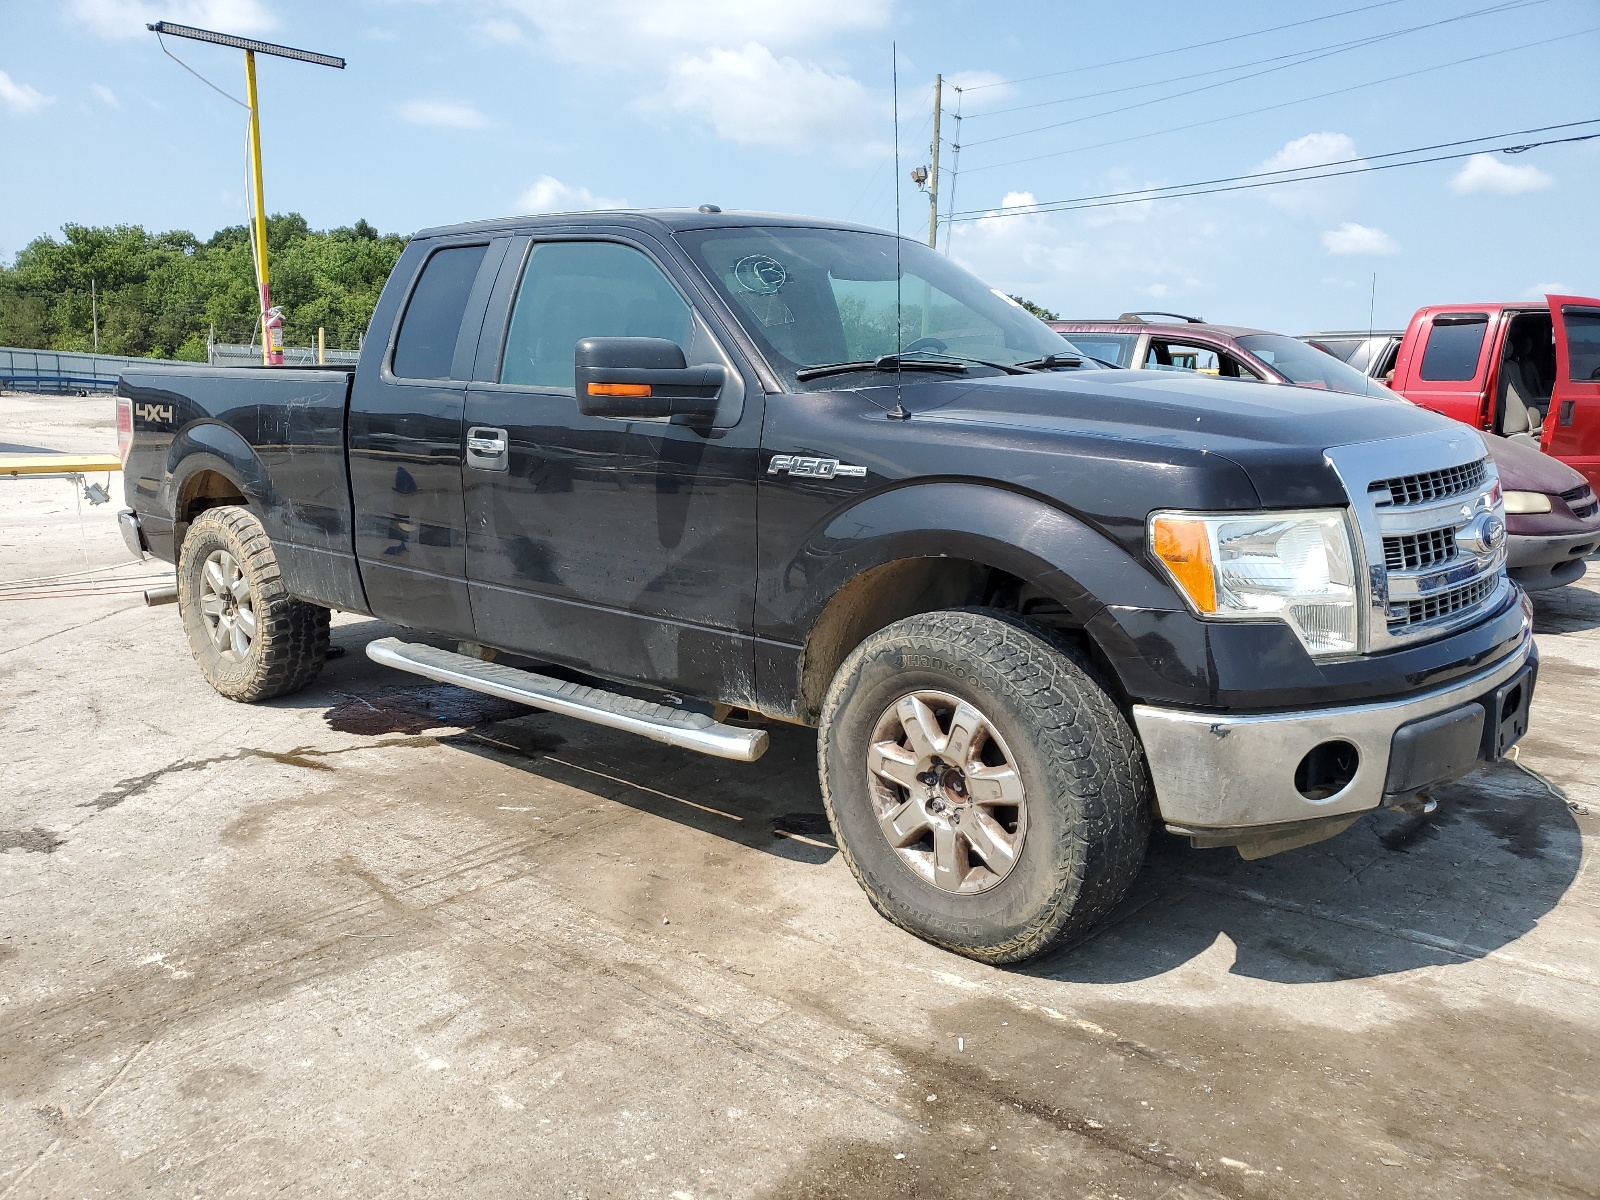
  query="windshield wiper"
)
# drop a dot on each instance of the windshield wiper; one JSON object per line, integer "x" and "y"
{"x": 1008, "y": 368}
{"x": 1054, "y": 360}
{"x": 884, "y": 362}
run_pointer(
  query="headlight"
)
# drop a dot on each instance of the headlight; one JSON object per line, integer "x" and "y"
{"x": 1527, "y": 502}
{"x": 1298, "y": 567}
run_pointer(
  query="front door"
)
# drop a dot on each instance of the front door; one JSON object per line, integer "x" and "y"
{"x": 1572, "y": 426}
{"x": 622, "y": 547}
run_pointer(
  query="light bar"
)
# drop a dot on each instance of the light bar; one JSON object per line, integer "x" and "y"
{"x": 240, "y": 43}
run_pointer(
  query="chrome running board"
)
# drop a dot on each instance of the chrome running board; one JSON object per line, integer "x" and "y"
{"x": 659, "y": 722}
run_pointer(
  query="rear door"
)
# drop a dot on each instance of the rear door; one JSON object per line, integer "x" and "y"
{"x": 405, "y": 440}
{"x": 1572, "y": 429}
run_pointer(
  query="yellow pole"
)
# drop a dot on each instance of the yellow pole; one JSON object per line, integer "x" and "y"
{"x": 260, "y": 231}
{"x": 322, "y": 345}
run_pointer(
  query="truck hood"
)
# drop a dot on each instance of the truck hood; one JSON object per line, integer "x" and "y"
{"x": 1277, "y": 434}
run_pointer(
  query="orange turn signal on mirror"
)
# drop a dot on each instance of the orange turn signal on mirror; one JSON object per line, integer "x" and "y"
{"x": 1185, "y": 549}
{"x": 619, "y": 389}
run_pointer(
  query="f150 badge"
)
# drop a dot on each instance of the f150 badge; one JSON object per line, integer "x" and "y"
{"x": 813, "y": 468}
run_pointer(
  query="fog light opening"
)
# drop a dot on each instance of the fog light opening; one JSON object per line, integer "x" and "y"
{"x": 1512, "y": 702}
{"x": 1326, "y": 770}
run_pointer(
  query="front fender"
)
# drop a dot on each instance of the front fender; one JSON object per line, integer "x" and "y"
{"x": 1075, "y": 564}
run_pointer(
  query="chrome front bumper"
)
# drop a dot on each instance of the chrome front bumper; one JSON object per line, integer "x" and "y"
{"x": 1229, "y": 773}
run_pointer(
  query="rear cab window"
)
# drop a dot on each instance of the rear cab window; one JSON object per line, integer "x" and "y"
{"x": 1455, "y": 344}
{"x": 425, "y": 347}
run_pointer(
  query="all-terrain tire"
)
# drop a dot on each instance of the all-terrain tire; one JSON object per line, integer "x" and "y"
{"x": 289, "y": 642}
{"x": 1081, "y": 765}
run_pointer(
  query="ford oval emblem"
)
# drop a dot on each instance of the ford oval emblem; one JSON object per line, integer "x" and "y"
{"x": 1483, "y": 535}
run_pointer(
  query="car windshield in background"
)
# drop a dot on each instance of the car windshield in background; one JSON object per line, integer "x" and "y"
{"x": 1306, "y": 366}
{"x": 1113, "y": 348}
{"x": 817, "y": 297}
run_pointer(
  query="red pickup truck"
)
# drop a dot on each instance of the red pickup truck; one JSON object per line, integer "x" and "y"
{"x": 1527, "y": 371}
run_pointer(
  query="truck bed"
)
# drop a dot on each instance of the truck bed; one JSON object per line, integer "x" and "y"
{"x": 276, "y": 435}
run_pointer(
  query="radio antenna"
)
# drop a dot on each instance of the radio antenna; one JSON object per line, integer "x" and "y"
{"x": 898, "y": 413}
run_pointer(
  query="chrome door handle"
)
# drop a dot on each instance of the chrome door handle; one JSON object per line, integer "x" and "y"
{"x": 487, "y": 448}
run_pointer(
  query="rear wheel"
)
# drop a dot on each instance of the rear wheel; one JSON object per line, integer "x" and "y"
{"x": 986, "y": 790}
{"x": 251, "y": 639}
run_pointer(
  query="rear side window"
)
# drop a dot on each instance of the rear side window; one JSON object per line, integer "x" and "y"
{"x": 426, "y": 346}
{"x": 1454, "y": 343}
{"x": 1583, "y": 343}
{"x": 1114, "y": 348}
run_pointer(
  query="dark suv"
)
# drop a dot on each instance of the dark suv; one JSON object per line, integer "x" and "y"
{"x": 1547, "y": 502}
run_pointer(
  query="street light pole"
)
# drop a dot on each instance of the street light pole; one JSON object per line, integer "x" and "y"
{"x": 259, "y": 224}
{"x": 258, "y": 233}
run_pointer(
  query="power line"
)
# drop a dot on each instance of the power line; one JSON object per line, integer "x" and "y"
{"x": 1175, "y": 192}
{"x": 1237, "y": 37}
{"x": 1250, "y": 112}
{"x": 1302, "y": 56}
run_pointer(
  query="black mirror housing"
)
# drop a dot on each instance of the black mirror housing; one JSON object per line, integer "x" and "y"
{"x": 635, "y": 378}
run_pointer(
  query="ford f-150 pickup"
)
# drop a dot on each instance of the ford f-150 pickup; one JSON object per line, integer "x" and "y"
{"x": 791, "y": 470}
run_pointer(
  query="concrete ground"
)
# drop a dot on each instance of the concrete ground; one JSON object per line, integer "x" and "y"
{"x": 385, "y": 938}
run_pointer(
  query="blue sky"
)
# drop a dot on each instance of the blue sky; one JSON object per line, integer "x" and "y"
{"x": 457, "y": 109}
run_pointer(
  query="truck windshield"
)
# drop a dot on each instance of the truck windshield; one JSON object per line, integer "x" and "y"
{"x": 816, "y": 297}
{"x": 1307, "y": 366}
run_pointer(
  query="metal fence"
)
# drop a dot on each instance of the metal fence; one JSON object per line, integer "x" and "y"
{"x": 67, "y": 372}
{"x": 223, "y": 354}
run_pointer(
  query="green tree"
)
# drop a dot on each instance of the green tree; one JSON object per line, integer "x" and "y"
{"x": 1038, "y": 310}
{"x": 161, "y": 294}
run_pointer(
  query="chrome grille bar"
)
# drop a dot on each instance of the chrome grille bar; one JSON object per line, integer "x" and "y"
{"x": 1422, "y": 580}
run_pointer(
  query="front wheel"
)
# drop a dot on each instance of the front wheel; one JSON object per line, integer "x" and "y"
{"x": 986, "y": 791}
{"x": 250, "y": 637}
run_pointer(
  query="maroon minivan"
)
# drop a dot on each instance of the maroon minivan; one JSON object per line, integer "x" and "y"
{"x": 1552, "y": 515}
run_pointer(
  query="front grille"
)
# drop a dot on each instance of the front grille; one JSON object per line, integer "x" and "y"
{"x": 1581, "y": 501}
{"x": 1444, "y": 604}
{"x": 1414, "y": 551}
{"x": 1428, "y": 486}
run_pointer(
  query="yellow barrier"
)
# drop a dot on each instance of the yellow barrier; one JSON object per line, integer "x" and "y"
{"x": 58, "y": 464}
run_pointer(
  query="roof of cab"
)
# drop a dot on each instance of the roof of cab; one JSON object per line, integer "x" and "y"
{"x": 668, "y": 220}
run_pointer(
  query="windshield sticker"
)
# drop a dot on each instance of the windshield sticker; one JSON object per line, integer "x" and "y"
{"x": 761, "y": 274}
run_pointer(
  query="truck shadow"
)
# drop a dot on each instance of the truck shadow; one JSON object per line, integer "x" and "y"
{"x": 772, "y": 805}
{"x": 1394, "y": 893}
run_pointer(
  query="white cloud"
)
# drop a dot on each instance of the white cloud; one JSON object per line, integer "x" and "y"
{"x": 1540, "y": 290}
{"x": 596, "y": 30}
{"x": 442, "y": 114}
{"x": 1491, "y": 173}
{"x": 549, "y": 194}
{"x": 752, "y": 97}
{"x": 105, "y": 95}
{"x": 1312, "y": 150}
{"x": 1351, "y": 238}
{"x": 978, "y": 90}
{"x": 1081, "y": 268}
{"x": 21, "y": 98}
{"x": 128, "y": 18}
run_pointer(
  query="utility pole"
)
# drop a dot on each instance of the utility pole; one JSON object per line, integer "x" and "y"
{"x": 271, "y": 321}
{"x": 94, "y": 313}
{"x": 933, "y": 168}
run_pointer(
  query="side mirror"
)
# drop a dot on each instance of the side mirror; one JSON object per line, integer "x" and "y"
{"x": 641, "y": 377}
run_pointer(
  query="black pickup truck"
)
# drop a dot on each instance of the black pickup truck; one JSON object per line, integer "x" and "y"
{"x": 779, "y": 469}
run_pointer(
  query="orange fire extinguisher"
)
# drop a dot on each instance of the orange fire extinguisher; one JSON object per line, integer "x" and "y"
{"x": 274, "y": 325}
